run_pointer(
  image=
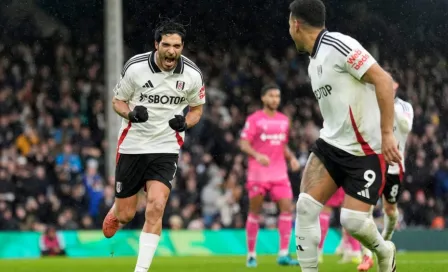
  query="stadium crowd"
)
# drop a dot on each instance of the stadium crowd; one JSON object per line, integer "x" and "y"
{"x": 52, "y": 128}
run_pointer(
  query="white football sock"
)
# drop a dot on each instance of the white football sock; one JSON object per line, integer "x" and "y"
{"x": 307, "y": 232}
{"x": 146, "y": 250}
{"x": 389, "y": 225}
{"x": 366, "y": 251}
{"x": 362, "y": 227}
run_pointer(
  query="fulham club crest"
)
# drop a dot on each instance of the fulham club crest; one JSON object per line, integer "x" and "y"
{"x": 319, "y": 70}
{"x": 180, "y": 85}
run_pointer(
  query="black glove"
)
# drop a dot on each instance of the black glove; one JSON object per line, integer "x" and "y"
{"x": 178, "y": 123}
{"x": 138, "y": 115}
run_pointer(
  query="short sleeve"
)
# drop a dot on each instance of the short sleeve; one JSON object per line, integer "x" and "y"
{"x": 124, "y": 88}
{"x": 358, "y": 60}
{"x": 196, "y": 94}
{"x": 249, "y": 130}
{"x": 405, "y": 116}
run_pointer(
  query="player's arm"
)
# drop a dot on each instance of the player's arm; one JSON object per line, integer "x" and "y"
{"x": 196, "y": 100}
{"x": 124, "y": 90}
{"x": 291, "y": 158}
{"x": 247, "y": 148}
{"x": 247, "y": 136}
{"x": 362, "y": 66}
{"x": 385, "y": 96}
{"x": 383, "y": 83}
{"x": 193, "y": 116}
{"x": 121, "y": 107}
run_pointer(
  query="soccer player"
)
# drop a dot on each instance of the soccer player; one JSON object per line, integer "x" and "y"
{"x": 264, "y": 139}
{"x": 351, "y": 248}
{"x": 355, "y": 96}
{"x": 154, "y": 89}
{"x": 404, "y": 116}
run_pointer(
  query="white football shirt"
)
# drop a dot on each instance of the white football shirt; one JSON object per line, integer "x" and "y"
{"x": 404, "y": 117}
{"x": 164, "y": 94}
{"x": 348, "y": 105}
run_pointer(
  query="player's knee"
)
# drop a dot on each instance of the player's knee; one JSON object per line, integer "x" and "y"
{"x": 353, "y": 221}
{"x": 154, "y": 210}
{"x": 125, "y": 216}
{"x": 308, "y": 210}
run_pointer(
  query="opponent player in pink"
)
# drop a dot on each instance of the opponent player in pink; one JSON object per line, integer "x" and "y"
{"x": 350, "y": 248}
{"x": 265, "y": 138}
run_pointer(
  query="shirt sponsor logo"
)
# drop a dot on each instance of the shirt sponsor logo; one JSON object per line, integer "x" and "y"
{"x": 162, "y": 99}
{"x": 357, "y": 59}
{"x": 323, "y": 91}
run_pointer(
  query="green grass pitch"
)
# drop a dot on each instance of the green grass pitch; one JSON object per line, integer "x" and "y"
{"x": 406, "y": 262}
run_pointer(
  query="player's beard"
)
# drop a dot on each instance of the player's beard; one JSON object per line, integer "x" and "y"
{"x": 168, "y": 61}
{"x": 300, "y": 49}
{"x": 272, "y": 108}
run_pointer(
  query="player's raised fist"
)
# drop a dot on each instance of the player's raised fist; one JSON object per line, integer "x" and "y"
{"x": 138, "y": 115}
{"x": 178, "y": 123}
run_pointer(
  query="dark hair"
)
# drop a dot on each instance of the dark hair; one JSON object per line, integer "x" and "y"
{"x": 169, "y": 26}
{"x": 311, "y": 11}
{"x": 268, "y": 87}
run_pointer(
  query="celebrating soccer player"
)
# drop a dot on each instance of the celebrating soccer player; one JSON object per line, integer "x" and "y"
{"x": 404, "y": 116}
{"x": 356, "y": 98}
{"x": 264, "y": 139}
{"x": 154, "y": 89}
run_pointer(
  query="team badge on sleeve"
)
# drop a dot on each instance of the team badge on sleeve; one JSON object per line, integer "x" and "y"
{"x": 202, "y": 92}
{"x": 180, "y": 85}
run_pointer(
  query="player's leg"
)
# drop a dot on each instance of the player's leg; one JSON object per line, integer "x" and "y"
{"x": 367, "y": 259}
{"x": 324, "y": 222}
{"x": 325, "y": 215}
{"x": 391, "y": 194}
{"x": 256, "y": 191}
{"x": 352, "y": 252}
{"x": 390, "y": 197}
{"x": 161, "y": 170}
{"x": 121, "y": 213}
{"x": 156, "y": 197}
{"x": 317, "y": 186}
{"x": 281, "y": 193}
{"x": 343, "y": 244}
{"x": 363, "y": 188}
{"x": 128, "y": 181}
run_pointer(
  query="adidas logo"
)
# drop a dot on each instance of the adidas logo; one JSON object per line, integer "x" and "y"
{"x": 148, "y": 84}
{"x": 364, "y": 193}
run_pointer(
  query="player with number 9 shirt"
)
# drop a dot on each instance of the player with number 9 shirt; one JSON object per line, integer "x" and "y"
{"x": 355, "y": 97}
{"x": 404, "y": 116}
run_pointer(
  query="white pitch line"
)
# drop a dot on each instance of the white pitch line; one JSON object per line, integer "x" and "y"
{"x": 423, "y": 262}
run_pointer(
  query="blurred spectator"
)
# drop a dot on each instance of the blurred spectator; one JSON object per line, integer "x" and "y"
{"x": 51, "y": 243}
{"x": 53, "y": 121}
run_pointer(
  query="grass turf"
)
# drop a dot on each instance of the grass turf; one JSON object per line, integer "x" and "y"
{"x": 406, "y": 262}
